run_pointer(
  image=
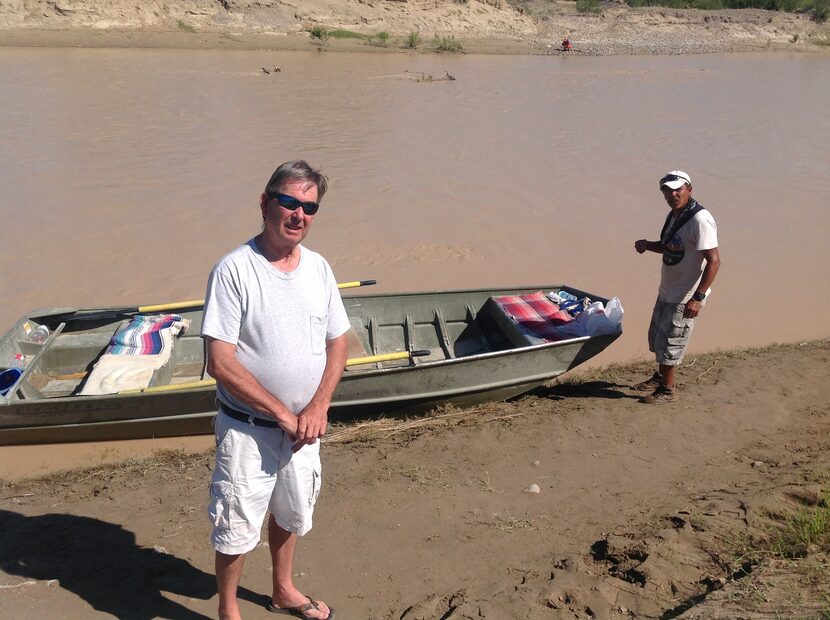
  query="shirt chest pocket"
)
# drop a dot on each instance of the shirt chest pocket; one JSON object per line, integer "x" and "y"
{"x": 318, "y": 334}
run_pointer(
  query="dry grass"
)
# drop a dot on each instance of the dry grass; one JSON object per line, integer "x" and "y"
{"x": 385, "y": 428}
{"x": 794, "y": 544}
{"x": 426, "y": 479}
{"x": 504, "y": 522}
{"x": 484, "y": 483}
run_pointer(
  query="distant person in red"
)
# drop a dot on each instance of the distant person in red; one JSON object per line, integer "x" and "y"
{"x": 567, "y": 46}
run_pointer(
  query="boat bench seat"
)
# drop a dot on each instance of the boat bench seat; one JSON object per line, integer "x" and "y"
{"x": 529, "y": 319}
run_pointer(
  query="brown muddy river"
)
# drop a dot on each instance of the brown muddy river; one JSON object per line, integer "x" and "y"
{"x": 125, "y": 174}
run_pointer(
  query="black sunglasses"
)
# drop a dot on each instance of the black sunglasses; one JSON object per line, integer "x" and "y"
{"x": 672, "y": 177}
{"x": 291, "y": 203}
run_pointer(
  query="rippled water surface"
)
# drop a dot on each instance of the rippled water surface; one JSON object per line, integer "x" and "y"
{"x": 125, "y": 174}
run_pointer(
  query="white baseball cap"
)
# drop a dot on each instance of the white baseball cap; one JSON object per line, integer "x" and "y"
{"x": 675, "y": 179}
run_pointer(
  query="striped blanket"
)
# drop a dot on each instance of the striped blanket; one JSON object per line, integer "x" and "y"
{"x": 136, "y": 351}
{"x": 534, "y": 315}
{"x": 146, "y": 335}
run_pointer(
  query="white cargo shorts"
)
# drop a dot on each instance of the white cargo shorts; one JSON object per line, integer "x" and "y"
{"x": 257, "y": 472}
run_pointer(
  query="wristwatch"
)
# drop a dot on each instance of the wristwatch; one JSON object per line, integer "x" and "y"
{"x": 698, "y": 296}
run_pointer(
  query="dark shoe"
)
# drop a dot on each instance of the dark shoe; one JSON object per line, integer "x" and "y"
{"x": 650, "y": 384}
{"x": 659, "y": 396}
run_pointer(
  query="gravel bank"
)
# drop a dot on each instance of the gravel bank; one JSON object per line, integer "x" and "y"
{"x": 490, "y": 26}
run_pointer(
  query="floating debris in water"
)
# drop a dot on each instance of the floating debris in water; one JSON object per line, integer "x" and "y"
{"x": 428, "y": 77}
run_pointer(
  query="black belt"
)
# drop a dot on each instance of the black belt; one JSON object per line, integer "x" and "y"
{"x": 247, "y": 417}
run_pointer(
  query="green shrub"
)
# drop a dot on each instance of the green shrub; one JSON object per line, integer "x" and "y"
{"x": 381, "y": 39}
{"x": 788, "y": 5}
{"x": 413, "y": 39}
{"x": 320, "y": 33}
{"x": 804, "y": 531}
{"x": 821, "y": 11}
{"x": 346, "y": 34}
{"x": 790, "y": 534}
{"x": 588, "y": 6}
{"x": 710, "y": 5}
{"x": 184, "y": 26}
{"x": 447, "y": 44}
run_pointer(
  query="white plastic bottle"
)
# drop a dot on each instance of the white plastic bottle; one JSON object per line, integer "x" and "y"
{"x": 39, "y": 335}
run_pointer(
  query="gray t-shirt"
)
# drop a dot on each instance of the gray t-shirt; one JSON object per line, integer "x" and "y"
{"x": 279, "y": 322}
{"x": 678, "y": 282}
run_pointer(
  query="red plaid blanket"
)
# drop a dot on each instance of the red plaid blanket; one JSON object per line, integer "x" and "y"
{"x": 535, "y": 315}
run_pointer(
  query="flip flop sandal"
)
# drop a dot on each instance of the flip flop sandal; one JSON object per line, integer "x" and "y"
{"x": 299, "y": 610}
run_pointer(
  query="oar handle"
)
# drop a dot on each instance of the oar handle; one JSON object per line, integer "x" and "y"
{"x": 115, "y": 313}
{"x": 172, "y": 387}
{"x": 100, "y": 315}
{"x": 356, "y": 283}
{"x": 371, "y": 359}
{"x": 172, "y": 306}
{"x": 387, "y": 357}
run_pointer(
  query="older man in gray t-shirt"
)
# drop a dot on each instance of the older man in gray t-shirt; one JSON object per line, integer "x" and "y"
{"x": 275, "y": 328}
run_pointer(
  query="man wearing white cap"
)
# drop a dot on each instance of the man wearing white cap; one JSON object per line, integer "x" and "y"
{"x": 689, "y": 245}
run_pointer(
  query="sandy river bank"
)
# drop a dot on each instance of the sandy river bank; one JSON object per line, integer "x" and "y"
{"x": 489, "y": 26}
{"x": 642, "y": 512}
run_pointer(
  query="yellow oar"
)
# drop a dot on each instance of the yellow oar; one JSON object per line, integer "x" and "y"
{"x": 371, "y": 359}
{"x": 171, "y": 306}
{"x": 194, "y": 303}
{"x": 357, "y": 283}
{"x": 172, "y": 387}
{"x": 200, "y": 302}
{"x": 386, "y": 357}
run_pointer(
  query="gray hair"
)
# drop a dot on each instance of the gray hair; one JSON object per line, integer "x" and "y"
{"x": 296, "y": 170}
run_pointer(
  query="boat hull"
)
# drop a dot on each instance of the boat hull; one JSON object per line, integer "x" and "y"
{"x": 455, "y": 372}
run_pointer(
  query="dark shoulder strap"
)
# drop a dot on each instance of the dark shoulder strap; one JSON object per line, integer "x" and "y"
{"x": 679, "y": 223}
{"x": 665, "y": 227}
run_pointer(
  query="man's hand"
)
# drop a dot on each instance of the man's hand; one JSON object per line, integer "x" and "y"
{"x": 692, "y": 309}
{"x": 314, "y": 418}
{"x": 641, "y": 245}
{"x": 311, "y": 425}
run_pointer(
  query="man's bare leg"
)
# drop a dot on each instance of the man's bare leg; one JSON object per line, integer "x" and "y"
{"x": 667, "y": 372}
{"x": 282, "y": 544}
{"x": 228, "y": 576}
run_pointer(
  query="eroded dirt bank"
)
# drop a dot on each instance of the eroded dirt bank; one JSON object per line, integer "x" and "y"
{"x": 489, "y": 26}
{"x": 642, "y": 512}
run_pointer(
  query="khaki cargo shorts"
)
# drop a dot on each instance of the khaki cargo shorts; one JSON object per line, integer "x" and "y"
{"x": 669, "y": 332}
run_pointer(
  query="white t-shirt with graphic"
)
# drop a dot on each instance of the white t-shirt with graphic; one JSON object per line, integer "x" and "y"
{"x": 678, "y": 282}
